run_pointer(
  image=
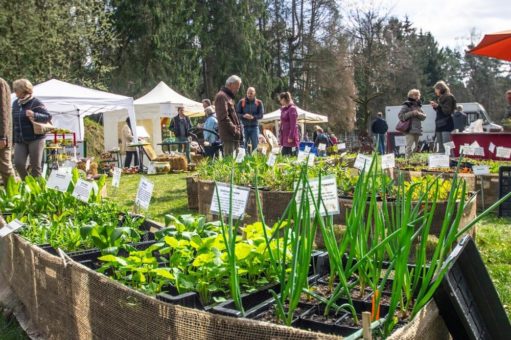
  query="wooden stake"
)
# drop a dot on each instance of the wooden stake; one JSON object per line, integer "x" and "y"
{"x": 366, "y": 326}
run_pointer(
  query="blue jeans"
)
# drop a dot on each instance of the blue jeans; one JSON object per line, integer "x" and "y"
{"x": 251, "y": 135}
{"x": 380, "y": 141}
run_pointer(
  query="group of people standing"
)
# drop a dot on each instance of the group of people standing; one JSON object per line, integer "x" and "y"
{"x": 17, "y": 130}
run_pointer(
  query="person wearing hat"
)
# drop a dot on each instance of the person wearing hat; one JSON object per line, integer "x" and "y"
{"x": 459, "y": 119}
{"x": 180, "y": 125}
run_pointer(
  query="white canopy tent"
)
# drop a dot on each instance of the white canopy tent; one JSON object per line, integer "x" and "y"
{"x": 304, "y": 117}
{"x": 160, "y": 102}
{"x": 69, "y": 104}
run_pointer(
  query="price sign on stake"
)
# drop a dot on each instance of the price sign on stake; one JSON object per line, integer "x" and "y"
{"x": 363, "y": 162}
{"x": 503, "y": 152}
{"x": 239, "y": 200}
{"x": 388, "y": 161}
{"x": 438, "y": 161}
{"x": 400, "y": 140}
{"x": 144, "y": 193}
{"x": 10, "y": 228}
{"x": 83, "y": 190}
{"x": 330, "y": 201}
{"x": 240, "y": 156}
{"x": 59, "y": 181}
{"x": 480, "y": 170}
{"x": 271, "y": 159}
{"x": 116, "y": 178}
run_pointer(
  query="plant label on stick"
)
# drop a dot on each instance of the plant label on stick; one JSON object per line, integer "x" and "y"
{"x": 241, "y": 155}
{"x": 310, "y": 161}
{"x": 116, "y": 178}
{"x": 479, "y": 151}
{"x": 329, "y": 195}
{"x": 503, "y": 152}
{"x": 10, "y": 228}
{"x": 481, "y": 170}
{"x": 438, "y": 161}
{"x": 302, "y": 156}
{"x": 275, "y": 150}
{"x": 400, "y": 141}
{"x": 491, "y": 147}
{"x": 402, "y": 150}
{"x": 271, "y": 159}
{"x": 341, "y": 146}
{"x": 467, "y": 150}
{"x": 65, "y": 170}
{"x": 238, "y": 204}
{"x": 87, "y": 165}
{"x": 475, "y": 144}
{"x": 363, "y": 162}
{"x": 447, "y": 150}
{"x": 59, "y": 180}
{"x": 83, "y": 190}
{"x": 388, "y": 161}
{"x": 144, "y": 193}
{"x": 322, "y": 147}
{"x": 449, "y": 145}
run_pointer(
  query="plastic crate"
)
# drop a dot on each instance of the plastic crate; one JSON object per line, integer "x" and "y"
{"x": 504, "y": 188}
{"x": 467, "y": 299}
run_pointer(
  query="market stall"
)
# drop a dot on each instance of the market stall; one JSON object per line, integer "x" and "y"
{"x": 304, "y": 117}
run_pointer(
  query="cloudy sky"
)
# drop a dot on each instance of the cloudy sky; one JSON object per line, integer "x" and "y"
{"x": 449, "y": 21}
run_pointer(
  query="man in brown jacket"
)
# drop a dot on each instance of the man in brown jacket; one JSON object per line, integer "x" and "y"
{"x": 229, "y": 126}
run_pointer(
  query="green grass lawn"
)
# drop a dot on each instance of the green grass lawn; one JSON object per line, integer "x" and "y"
{"x": 10, "y": 329}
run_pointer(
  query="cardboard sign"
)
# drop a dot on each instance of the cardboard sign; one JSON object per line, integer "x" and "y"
{"x": 480, "y": 170}
{"x": 144, "y": 193}
{"x": 503, "y": 152}
{"x": 322, "y": 147}
{"x": 400, "y": 141}
{"x": 241, "y": 155}
{"x": 271, "y": 159}
{"x": 59, "y": 180}
{"x": 388, "y": 161}
{"x": 116, "y": 178}
{"x": 363, "y": 162}
{"x": 330, "y": 200}
{"x": 491, "y": 147}
{"x": 239, "y": 201}
{"x": 10, "y": 228}
{"x": 438, "y": 161}
{"x": 82, "y": 190}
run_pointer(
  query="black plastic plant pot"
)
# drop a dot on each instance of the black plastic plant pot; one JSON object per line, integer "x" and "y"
{"x": 170, "y": 295}
{"x": 363, "y": 306}
{"x": 253, "y": 303}
{"x": 315, "y": 320}
{"x": 269, "y": 312}
{"x": 467, "y": 299}
{"x": 48, "y": 248}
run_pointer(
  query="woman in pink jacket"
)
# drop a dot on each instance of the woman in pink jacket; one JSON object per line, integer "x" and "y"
{"x": 289, "y": 136}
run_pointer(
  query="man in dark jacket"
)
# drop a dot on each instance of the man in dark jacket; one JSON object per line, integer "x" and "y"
{"x": 250, "y": 110}
{"x": 229, "y": 126}
{"x": 379, "y": 128}
{"x": 180, "y": 125}
{"x": 459, "y": 119}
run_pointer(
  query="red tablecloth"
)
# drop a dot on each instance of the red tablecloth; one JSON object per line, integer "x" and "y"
{"x": 483, "y": 139}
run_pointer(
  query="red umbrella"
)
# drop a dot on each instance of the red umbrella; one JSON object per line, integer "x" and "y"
{"x": 495, "y": 45}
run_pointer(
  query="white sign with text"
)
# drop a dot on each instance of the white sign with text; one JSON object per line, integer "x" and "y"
{"x": 144, "y": 193}
{"x": 480, "y": 170}
{"x": 116, "y": 177}
{"x": 59, "y": 180}
{"x": 330, "y": 200}
{"x": 11, "y": 227}
{"x": 241, "y": 155}
{"x": 388, "y": 161}
{"x": 363, "y": 162}
{"x": 238, "y": 203}
{"x": 438, "y": 161}
{"x": 503, "y": 152}
{"x": 400, "y": 141}
{"x": 82, "y": 190}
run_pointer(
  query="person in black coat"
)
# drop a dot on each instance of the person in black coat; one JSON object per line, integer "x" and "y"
{"x": 444, "y": 108}
{"x": 379, "y": 128}
{"x": 27, "y": 144}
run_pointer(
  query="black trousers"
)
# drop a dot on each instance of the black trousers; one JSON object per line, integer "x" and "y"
{"x": 129, "y": 156}
{"x": 288, "y": 151}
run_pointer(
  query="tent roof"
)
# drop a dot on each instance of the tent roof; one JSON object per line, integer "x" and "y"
{"x": 303, "y": 117}
{"x": 162, "y": 98}
{"x": 495, "y": 45}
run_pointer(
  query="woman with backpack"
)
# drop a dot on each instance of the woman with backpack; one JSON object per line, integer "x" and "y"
{"x": 411, "y": 114}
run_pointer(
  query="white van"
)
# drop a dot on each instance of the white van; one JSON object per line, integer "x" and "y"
{"x": 474, "y": 111}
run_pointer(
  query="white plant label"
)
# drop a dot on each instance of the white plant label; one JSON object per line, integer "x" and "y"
{"x": 271, "y": 159}
{"x": 475, "y": 144}
{"x": 87, "y": 165}
{"x": 388, "y": 161}
{"x": 275, "y": 150}
{"x": 341, "y": 146}
{"x": 402, "y": 150}
{"x": 363, "y": 162}
{"x": 491, "y": 148}
{"x": 479, "y": 151}
{"x": 116, "y": 178}
{"x": 11, "y": 227}
{"x": 151, "y": 169}
{"x": 241, "y": 155}
{"x": 467, "y": 150}
{"x": 82, "y": 190}
{"x": 239, "y": 200}
{"x": 449, "y": 145}
{"x": 400, "y": 140}
{"x": 45, "y": 170}
{"x": 59, "y": 180}
{"x": 65, "y": 170}
{"x": 302, "y": 156}
{"x": 311, "y": 158}
{"x": 330, "y": 200}
{"x": 144, "y": 193}
{"x": 503, "y": 152}
{"x": 480, "y": 170}
{"x": 447, "y": 150}
{"x": 438, "y": 161}
{"x": 322, "y": 147}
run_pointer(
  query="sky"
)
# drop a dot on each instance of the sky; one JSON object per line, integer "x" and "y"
{"x": 449, "y": 21}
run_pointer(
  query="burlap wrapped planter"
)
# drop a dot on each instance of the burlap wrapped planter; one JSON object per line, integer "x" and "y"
{"x": 65, "y": 300}
{"x": 192, "y": 190}
{"x": 205, "y": 194}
